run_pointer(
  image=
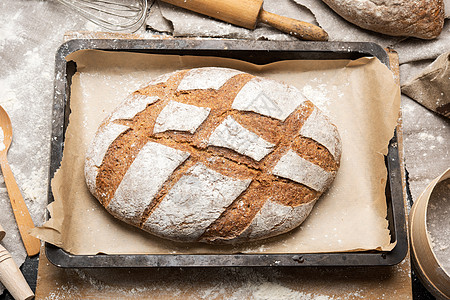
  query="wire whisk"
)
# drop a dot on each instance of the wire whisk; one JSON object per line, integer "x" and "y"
{"x": 114, "y": 15}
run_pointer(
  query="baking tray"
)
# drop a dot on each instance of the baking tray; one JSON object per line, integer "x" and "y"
{"x": 257, "y": 52}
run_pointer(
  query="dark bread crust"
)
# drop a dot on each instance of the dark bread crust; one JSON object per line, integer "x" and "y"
{"x": 422, "y": 19}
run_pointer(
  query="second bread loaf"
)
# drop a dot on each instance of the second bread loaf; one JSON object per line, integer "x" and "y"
{"x": 417, "y": 18}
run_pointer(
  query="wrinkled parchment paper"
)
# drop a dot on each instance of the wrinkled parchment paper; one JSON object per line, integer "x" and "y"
{"x": 360, "y": 97}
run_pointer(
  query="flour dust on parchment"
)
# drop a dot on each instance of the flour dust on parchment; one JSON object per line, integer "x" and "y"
{"x": 319, "y": 93}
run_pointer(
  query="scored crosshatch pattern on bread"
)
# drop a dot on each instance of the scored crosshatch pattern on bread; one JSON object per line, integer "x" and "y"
{"x": 185, "y": 192}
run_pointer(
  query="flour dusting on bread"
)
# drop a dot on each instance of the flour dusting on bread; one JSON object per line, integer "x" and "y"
{"x": 194, "y": 202}
{"x": 136, "y": 191}
{"x": 232, "y": 135}
{"x": 181, "y": 117}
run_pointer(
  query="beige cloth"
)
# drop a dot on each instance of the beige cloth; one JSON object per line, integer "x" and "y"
{"x": 431, "y": 87}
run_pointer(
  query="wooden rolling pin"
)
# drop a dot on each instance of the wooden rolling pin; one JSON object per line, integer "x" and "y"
{"x": 247, "y": 13}
{"x": 10, "y": 275}
{"x": 2, "y": 233}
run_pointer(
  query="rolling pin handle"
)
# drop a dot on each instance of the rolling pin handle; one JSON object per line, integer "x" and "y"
{"x": 12, "y": 278}
{"x": 299, "y": 29}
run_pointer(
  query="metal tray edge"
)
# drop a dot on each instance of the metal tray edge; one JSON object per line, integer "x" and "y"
{"x": 61, "y": 258}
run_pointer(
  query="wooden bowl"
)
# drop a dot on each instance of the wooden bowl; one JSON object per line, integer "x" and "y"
{"x": 428, "y": 267}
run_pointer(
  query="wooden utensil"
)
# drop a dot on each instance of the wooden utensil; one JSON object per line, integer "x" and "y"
{"x": 23, "y": 218}
{"x": 10, "y": 275}
{"x": 247, "y": 13}
{"x": 429, "y": 269}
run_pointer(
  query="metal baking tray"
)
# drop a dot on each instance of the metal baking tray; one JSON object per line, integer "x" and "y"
{"x": 257, "y": 52}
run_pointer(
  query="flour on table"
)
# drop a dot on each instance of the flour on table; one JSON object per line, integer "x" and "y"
{"x": 270, "y": 290}
{"x": 10, "y": 32}
{"x": 425, "y": 140}
{"x": 26, "y": 93}
{"x": 438, "y": 223}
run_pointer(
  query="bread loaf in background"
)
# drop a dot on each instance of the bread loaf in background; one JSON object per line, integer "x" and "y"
{"x": 213, "y": 155}
{"x": 417, "y": 18}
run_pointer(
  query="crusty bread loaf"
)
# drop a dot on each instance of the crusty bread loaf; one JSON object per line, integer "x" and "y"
{"x": 213, "y": 155}
{"x": 418, "y": 18}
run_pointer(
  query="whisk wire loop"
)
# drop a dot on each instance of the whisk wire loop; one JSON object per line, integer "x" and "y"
{"x": 114, "y": 15}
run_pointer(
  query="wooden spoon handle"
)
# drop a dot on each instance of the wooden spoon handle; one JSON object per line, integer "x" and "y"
{"x": 23, "y": 218}
{"x": 12, "y": 278}
{"x": 299, "y": 29}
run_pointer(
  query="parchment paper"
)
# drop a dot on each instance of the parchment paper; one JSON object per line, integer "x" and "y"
{"x": 360, "y": 97}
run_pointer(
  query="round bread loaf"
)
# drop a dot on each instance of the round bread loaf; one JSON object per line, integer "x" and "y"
{"x": 419, "y": 18}
{"x": 213, "y": 155}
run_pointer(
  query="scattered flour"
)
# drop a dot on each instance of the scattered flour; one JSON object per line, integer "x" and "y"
{"x": 62, "y": 292}
{"x": 180, "y": 283}
{"x": 10, "y": 32}
{"x": 438, "y": 222}
{"x": 28, "y": 44}
{"x": 8, "y": 98}
{"x": 321, "y": 94}
{"x": 440, "y": 139}
{"x": 318, "y": 96}
{"x": 424, "y": 136}
{"x": 408, "y": 109}
{"x": 270, "y": 291}
{"x": 33, "y": 185}
{"x": 33, "y": 57}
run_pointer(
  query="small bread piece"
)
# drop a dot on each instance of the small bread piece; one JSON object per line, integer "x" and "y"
{"x": 417, "y": 18}
{"x": 213, "y": 155}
